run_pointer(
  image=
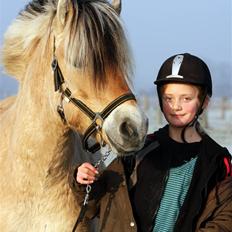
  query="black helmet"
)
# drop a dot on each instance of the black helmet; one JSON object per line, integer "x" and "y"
{"x": 185, "y": 68}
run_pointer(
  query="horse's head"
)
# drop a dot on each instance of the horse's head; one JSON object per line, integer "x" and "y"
{"x": 86, "y": 39}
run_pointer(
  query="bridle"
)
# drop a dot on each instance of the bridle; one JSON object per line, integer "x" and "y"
{"x": 97, "y": 118}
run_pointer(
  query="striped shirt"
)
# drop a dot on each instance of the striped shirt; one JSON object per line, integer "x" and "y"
{"x": 177, "y": 185}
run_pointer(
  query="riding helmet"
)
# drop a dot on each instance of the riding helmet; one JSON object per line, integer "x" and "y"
{"x": 185, "y": 68}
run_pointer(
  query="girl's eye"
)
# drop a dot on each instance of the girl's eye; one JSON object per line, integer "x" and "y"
{"x": 168, "y": 99}
{"x": 187, "y": 99}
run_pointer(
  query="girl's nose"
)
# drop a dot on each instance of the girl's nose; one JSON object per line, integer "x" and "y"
{"x": 176, "y": 105}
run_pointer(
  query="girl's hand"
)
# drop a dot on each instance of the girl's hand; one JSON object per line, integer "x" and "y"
{"x": 86, "y": 174}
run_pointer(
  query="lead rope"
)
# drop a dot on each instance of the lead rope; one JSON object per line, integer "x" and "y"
{"x": 88, "y": 190}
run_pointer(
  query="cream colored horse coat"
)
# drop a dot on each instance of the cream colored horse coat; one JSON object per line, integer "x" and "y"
{"x": 36, "y": 149}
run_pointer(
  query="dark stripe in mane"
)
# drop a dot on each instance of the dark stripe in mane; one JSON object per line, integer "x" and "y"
{"x": 94, "y": 36}
{"x": 37, "y": 6}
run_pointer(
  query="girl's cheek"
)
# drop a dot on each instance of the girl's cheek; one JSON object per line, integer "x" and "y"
{"x": 192, "y": 108}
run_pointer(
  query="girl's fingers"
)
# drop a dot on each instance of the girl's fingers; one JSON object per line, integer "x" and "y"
{"x": 89, "y": 167}
{"x": 86, "y": 174}
{"x": 83, "y": 180}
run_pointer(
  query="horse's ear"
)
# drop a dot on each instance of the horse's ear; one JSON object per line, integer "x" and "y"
{"x": 117, "y": 5}
{"x": 62, "y": 11}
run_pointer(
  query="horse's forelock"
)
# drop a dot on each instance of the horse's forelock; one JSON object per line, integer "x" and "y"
{"x": 96, "y": 40}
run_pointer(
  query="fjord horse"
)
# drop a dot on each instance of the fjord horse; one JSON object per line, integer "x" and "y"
{"x": 90, "y": 72}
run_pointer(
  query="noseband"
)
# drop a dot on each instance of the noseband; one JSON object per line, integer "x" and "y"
{"x": 97, "y": 118}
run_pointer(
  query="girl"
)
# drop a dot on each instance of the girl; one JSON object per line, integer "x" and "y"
{"x": 183, "y": 183}
{"x": 181, "y": 180}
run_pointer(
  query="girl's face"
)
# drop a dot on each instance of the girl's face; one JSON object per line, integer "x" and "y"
{"x": 180, "y": 103}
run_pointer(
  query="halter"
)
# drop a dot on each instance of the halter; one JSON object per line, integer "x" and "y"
{"x": 97, "y": 118}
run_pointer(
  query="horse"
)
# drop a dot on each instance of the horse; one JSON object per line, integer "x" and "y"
{"x": 73, "y": 64}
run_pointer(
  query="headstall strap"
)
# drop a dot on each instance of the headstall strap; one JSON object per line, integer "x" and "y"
{"x": 58, "y": 77}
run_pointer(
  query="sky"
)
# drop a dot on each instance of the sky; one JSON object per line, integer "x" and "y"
{"x": 157, "y": 30}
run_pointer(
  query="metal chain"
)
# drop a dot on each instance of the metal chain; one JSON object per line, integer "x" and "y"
{"x": 103, "y": 158}
{"x": 88, "y": 187}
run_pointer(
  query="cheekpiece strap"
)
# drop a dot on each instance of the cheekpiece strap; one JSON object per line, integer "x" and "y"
{"x": 58, "y": 76}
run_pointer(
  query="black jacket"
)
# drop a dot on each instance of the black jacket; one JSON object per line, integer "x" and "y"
{"x": 152, "y": 174}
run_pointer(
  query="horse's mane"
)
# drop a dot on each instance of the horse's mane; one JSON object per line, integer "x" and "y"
{"x": 94, "y": 36}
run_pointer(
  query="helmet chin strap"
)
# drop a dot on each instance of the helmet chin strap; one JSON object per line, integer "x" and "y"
{"x": 195, "y": 122}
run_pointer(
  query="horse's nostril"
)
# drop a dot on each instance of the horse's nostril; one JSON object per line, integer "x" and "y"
{"x": 128, "y": 130}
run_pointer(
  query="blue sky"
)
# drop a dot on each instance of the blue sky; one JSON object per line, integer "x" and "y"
{"x": 159, "y": 29}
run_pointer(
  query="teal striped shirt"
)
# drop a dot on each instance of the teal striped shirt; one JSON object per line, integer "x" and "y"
{"x": 176, "y": 188}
